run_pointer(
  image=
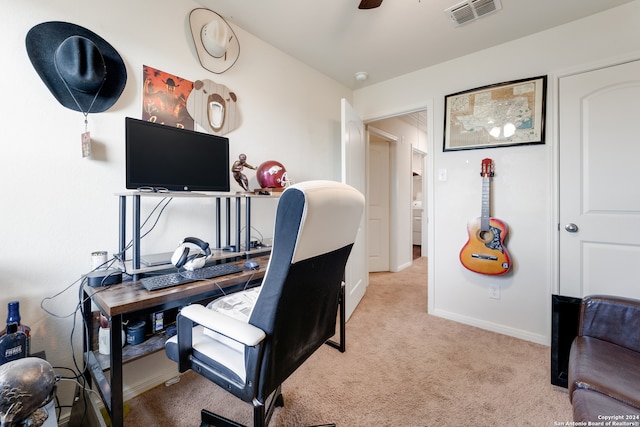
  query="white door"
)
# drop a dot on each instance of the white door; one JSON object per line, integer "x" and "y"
{"x": 600, "y": 182}
{"x": 354, "y": 162}
{"x": 379, "y": 203}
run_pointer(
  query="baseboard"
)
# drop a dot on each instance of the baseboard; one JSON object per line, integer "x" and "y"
{"x": 493, "y": 327}
{"x": 78, "y": 418}
{"x": 130, "y": 391}
{"x": 148, "y": 382}
{"x": 402, "y": 267}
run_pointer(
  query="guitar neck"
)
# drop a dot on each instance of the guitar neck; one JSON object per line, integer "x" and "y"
{"x": 486, "y": 208}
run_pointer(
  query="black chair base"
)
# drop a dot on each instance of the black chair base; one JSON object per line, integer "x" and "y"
{"x": 342, "y": 344}
{"x": 261, "y": 417}
{"x": 209, "y": 419}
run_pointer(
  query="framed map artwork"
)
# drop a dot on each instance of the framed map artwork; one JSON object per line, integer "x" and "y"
{"x": 498, "y": 115}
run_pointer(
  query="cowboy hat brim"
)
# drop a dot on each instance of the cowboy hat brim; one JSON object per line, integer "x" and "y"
{"x": 42, "y": 41}
{"x": 200, "y": 17}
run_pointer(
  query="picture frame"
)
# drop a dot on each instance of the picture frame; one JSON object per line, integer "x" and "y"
{"x": 498, "y": 115}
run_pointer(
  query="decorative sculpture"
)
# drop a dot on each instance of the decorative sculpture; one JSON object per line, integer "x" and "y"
{"x": 25, "y": 385}
{"x": 237, "y": 168}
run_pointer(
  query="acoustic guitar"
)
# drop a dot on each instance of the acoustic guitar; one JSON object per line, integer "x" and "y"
{"x": 485, "y": 252}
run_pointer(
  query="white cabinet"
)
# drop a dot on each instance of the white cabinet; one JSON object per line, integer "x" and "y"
{"x": 417, "y": 225}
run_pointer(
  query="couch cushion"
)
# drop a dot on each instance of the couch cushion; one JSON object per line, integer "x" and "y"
{"x": 593, "y": 406}
{"x": 606, "y": 368}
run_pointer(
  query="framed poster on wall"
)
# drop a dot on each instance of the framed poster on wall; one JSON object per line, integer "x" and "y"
{"x": 498, "y": 115}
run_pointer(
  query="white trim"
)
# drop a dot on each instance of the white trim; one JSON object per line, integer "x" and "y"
{"x": 149, "y": 382}
{"x": 428, "y": 188}
{"x": 378, "y": 132}
{"x": 493, "y": 327}
{"x": 395, "y": 113}
{"x": 403, "y": 266}
{"x": 596, "y": 65}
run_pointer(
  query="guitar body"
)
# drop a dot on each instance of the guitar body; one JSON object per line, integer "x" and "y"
{"x": 485, "y": 252}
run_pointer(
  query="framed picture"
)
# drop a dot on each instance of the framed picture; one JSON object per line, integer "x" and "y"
{"x": 498, "y": 115}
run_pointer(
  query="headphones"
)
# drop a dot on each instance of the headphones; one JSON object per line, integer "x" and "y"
{"x": 181, "y": 257}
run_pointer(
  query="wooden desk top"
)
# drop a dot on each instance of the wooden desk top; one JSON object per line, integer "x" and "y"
{"x": 130, "y": 296}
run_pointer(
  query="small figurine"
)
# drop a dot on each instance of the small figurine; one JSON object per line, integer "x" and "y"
{"x": 237, "y": 167}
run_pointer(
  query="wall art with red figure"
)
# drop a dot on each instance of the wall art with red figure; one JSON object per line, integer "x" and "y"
{"x": 164, "y": 98}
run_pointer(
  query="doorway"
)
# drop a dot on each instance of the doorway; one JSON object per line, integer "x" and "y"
{"x": 397, "y": 166}
{"x": 382, "y": 147}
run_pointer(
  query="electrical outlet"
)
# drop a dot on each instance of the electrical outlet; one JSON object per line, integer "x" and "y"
{"x": 494, "y": 291}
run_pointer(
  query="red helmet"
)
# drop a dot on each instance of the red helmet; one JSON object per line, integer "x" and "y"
{"x": 271, "y": 174}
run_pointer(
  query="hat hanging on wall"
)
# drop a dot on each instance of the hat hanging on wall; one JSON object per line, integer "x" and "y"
{"x": 82, "y": 71}
{"x": 216, "y": 44}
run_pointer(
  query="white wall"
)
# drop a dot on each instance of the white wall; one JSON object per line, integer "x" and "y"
{"x": 523, "y": 189}
{"x": 58, "y": 207}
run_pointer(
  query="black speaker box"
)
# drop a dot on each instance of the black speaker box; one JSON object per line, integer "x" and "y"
{"x": 565, "y": 316}
{"x": 107, "y": 277}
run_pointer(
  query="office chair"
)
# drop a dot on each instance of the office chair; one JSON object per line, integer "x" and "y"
{"x": 295, "y": 310}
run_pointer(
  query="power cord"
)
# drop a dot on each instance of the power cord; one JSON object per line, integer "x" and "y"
{"x": 78, "y": 374}
{"x": 166, "y": 200}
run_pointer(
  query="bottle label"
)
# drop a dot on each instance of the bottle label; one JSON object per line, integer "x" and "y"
{"x": 12, "y": 347}
{"x": 14, "y": 351}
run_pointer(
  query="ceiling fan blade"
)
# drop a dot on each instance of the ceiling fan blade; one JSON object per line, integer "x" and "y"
{"x": 369, "y": 4}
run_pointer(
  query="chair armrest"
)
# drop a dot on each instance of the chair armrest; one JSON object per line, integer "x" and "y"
{"x": 235, "y": 329}
{"x": 612, "y": 319}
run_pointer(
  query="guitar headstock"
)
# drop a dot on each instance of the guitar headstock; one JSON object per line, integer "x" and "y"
{"x": 487, "y": 168}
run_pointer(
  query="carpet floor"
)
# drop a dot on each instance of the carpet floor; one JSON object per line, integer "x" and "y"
{"x": 402, "y": 367}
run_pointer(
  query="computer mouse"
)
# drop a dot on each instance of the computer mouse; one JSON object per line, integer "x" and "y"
{"x": 251, "y": 264}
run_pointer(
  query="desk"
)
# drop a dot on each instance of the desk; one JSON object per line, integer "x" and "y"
{"x": 126, "y": 298}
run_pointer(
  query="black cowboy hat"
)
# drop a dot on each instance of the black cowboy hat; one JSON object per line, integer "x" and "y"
{"x": 82, "y": 71}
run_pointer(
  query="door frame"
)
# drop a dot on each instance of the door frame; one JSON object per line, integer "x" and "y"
{"x": 392, "y": 140}
{"x": 423, "y": 234}
{"x": 428, "y": 186}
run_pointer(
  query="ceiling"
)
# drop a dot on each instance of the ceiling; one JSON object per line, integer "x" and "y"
{"x": 401, "y": 36}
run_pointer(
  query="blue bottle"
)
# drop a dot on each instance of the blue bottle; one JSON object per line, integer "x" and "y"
{"x": 14, "y": 340}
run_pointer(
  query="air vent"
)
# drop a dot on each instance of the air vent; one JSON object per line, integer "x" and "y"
{"x": 471, "y": 10}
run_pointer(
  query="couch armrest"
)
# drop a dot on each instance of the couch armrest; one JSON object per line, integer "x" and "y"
{"x": 612, "y": 319}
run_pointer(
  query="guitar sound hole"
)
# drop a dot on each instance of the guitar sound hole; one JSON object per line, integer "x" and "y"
{"x": 485, "y": 236}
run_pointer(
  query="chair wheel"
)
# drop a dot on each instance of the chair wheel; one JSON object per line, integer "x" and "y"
{"x": 279, "y": 401}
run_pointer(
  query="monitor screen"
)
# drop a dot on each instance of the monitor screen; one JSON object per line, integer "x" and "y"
{"x": 162, "y": 157}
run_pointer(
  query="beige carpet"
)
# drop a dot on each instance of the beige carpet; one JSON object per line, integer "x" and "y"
{"x": 402, "y": 368}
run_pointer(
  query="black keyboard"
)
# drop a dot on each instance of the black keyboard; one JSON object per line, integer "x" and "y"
{"x": 154, "y": 283}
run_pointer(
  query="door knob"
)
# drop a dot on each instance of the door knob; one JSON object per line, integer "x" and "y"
{"x": 571, "y": 227}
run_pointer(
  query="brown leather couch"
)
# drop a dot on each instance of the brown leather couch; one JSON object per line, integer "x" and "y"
{"x": 604, "y": 362}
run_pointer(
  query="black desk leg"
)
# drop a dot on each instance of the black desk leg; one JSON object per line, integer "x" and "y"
{"x": 117, "y": 405}
{"x": 87, "y": 337}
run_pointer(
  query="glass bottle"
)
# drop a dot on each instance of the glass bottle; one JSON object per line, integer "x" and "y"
{"x": 14, "y": 324}
{"x": 14, "y": 342}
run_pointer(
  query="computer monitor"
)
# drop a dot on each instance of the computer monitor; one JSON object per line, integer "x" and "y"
{"x": 160, "y": 157}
